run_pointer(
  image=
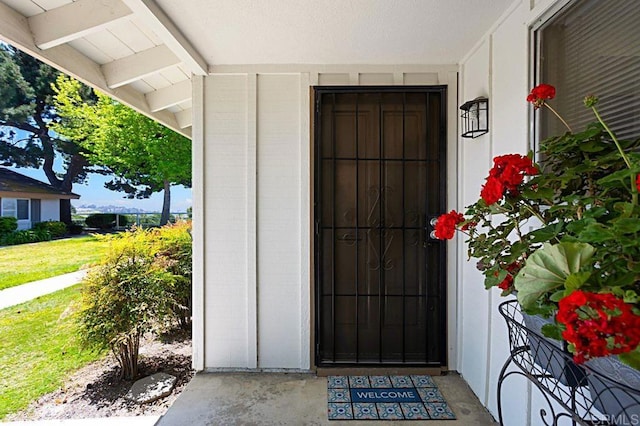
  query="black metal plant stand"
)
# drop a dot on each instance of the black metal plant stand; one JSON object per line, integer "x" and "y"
{"x": 568, "y": 389}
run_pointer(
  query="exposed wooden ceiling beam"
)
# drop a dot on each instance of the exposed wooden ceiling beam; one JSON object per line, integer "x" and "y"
{"x": 140, "y": 65}
{"x": 165, "y": 29}
{"x": 170, "y": 96}
{"x": 74, "y": 20}
{"x": 14, "y": 30}
{"x": 184, "y": 118}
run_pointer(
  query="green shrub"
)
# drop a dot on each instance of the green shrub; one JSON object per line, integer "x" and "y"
{"x": 57, "y": 229}
{"x": 105, "y": 220}
{"x": 125, "y": 297}
{"x": 26, "y": 236}
{"x": 173, "y": 242}
{"x": 8, "y": 224}
{"x": 74, "y": 229}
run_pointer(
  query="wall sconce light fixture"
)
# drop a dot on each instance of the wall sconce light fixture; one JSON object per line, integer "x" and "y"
{"x": 475, "y": 117}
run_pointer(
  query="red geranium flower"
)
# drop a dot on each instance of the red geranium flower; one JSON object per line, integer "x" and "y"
{"x": 598, "y": 324}
{"x": 492, "y": 191}
{"x": 540, "y": 93}
{"x": 638, "y": 182}
{"x": 446, "y": 225}
{"x": 507, "y": 173}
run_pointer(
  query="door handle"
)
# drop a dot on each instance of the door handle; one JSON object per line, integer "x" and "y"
{"x": 432, "y": 233}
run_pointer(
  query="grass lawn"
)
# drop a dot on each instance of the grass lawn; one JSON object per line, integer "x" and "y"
{"x": 30, "y": 262}
{"x": 39, "y": 348}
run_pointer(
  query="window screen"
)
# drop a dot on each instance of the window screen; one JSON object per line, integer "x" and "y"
{"x": 23, "y": 209}
{"x": 592, "y": 47}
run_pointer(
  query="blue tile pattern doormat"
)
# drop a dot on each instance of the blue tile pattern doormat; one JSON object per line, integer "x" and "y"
{"x": 385, "y": 398}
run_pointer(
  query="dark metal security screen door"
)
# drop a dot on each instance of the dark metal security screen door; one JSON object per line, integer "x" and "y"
{"x": 379, "y": 180}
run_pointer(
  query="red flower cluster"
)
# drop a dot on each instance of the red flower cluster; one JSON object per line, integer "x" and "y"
{"x": 540, "y": 93}
{"x": 507, "y": 173}
{"x": 446, "y": 225}
{"x": 598, "y": 324}
{"x": 638, "y": 182}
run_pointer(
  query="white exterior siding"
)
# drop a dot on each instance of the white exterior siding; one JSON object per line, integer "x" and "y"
{"x": 473, "y": 312}
{"x": 49, "y": 210}
{"x": 225, "y": 197}
{"x": 279, "y": 240}
{"x": 256, "y": 214}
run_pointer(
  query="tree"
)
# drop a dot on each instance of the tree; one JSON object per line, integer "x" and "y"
{"x": 26, "y": 106}
{"x": 144, "y": 156}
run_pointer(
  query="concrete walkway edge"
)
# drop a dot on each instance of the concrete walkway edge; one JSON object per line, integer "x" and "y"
{"x": 25, "y": 292}
{"x": 100, "y": 421}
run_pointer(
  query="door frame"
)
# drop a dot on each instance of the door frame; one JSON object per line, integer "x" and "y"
{"x": 444, "y": 335}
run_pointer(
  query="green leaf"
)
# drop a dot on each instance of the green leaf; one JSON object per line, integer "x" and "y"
{"x": 625, "y": 209}
{"x": 627, "y": 225}
{"x": 545, "y": 234}
{"x": 631, "y": 296}
{"x": 624, "y": 280}
{"x": 538, "y": 194}
{"x": 492, "y": 279}
{"x": 557, "y": 296}
{"x": 619, "y": 176}
{"x": 597, "y": 233}
{"x": 632, "y": 359}
{"x": 552, "y": 331}
{"x": 548, "y": 268}
{"x": 575, "y": 280}
{"x": 591, "y": 146}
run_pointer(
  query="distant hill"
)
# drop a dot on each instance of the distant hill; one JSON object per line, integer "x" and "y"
{"x": 92, "y": 208}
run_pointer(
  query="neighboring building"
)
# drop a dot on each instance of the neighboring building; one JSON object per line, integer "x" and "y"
{"x": 29, "y": 200}
{"x": 295, "y": 109}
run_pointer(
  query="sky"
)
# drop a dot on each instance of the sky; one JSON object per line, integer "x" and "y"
{"x": 94, "y": 192}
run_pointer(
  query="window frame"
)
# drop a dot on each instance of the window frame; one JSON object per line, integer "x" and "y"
{"x": 14, "y": 211}
{"x": 538, "y": 25}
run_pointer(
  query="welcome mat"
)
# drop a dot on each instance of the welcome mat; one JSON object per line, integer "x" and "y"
{"x": 385, "y": 398}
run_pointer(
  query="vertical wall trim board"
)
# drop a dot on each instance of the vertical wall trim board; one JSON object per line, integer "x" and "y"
{"x": 198, "y": 223}
{"x": 450, "y": 79}
{"x": 460, "y": 201}
{"x": 252, "y": 218}
{"x": 490, "y": 299}
{"x": 280, "y": 319}
{"x": 305, "y": 222}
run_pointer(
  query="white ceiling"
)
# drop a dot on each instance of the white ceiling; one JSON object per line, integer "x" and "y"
{"x": 143, "y": 52}
{"x": 334, "y": 31}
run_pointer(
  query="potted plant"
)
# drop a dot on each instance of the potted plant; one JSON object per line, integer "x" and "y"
{"x": 565, "y": 236}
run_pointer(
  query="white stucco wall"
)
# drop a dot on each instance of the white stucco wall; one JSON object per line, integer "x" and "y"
{"x": 253, "y": 167}
{"x": 49, "y": 210}
{"x": 497, "y": 67}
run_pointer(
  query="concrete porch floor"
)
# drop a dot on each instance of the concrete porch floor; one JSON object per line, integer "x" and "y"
{"x": 293, "y": 399}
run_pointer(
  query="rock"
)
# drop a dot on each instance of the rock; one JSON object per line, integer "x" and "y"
{"x": 151, "y": 388}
